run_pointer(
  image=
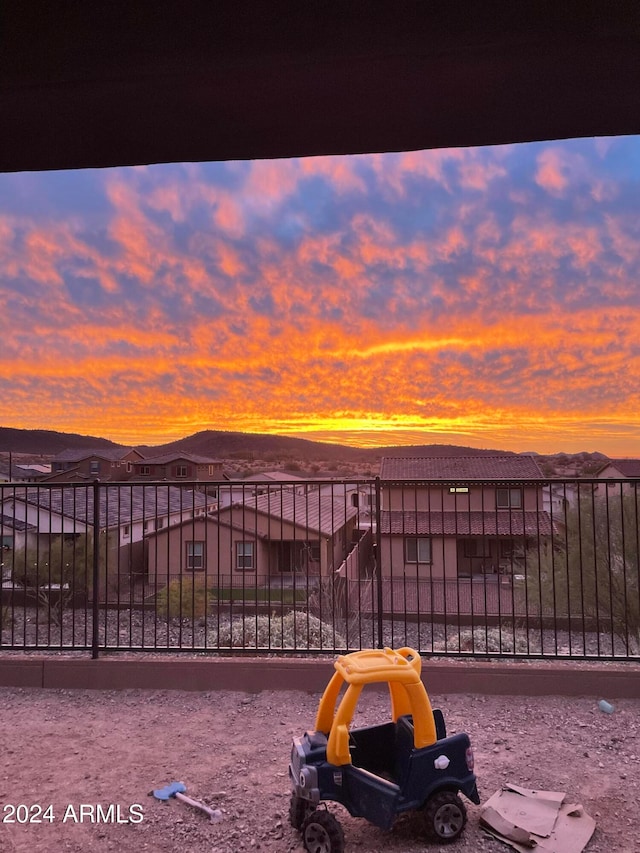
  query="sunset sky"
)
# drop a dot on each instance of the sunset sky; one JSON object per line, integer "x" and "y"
{"x": 483, "y": 296}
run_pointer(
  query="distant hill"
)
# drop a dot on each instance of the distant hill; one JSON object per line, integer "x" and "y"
{"x": 279, "y": 450}
{"x": 223, "y": 444}
{"x": 220, "y": 444}
{"x": 46, "y": 442}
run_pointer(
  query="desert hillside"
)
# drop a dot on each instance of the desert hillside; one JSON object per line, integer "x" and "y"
{"x": 248, "y": 453}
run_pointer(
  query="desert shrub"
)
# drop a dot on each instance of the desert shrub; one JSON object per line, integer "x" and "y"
{"x": 297, "y": 630}
{"x": 57, "y": 572}
{"x": 184, "y": 598}
{"x": 339, "y": 601}
{"x": 6, "y": 616}
{"x": 487, "y": 641}
{"x": 593, "y": 572}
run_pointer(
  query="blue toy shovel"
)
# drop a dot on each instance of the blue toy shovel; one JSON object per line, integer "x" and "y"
{"x": 177, "y": 790}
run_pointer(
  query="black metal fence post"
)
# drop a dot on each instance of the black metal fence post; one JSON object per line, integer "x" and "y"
{"x": 378, "y": 567}
{"x": 96, "y": 567}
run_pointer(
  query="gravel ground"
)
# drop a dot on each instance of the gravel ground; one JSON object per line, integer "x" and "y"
{"x": 72, "y": 748}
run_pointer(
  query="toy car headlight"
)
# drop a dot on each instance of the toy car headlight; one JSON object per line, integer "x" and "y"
{"x": 470, "y": 759}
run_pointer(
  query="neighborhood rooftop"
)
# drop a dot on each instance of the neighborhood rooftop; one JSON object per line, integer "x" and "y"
{"x": 627, "y": 467}
{"x": 167, "y": 458}
{"x": 460, "y": 468}
{"x": 10, "y": 522}
{"x": 320, "y": 514}
{"x": 113, "y": 454}
{"x": 117, "y": 506}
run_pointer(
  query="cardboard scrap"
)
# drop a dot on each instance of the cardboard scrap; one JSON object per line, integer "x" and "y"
{"x": 527, "y": 819}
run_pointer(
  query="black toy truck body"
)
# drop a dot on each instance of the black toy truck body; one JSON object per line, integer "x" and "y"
{"x": 379, "y": 772}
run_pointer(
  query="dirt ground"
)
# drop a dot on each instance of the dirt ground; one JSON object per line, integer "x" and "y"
{"x": 68, "y": 749}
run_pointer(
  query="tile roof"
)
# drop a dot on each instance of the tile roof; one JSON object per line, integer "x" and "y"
{"x": 626, "y": 467}
{"x": 168, "y": 458}
{"x": 314, "y": 512}
{"x": 277, "y": 476}
{"x": 114, "y": 454}
{"x": 9, "y": 522}
{"x": 502, "y": 523}
{"x": 460, "y": 468}
{"x": 118, "y": 504}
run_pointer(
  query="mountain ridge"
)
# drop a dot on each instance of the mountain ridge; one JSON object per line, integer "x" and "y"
{"x": 220, "y": 443}
{"x": 227, "y": 444}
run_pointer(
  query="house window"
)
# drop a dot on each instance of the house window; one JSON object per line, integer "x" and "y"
{"x": 195, "y": 556}
{"x": 126, "y": 531}
{"x": 129, "y": 467}
{"x": 417, "y": 550}
{"x": 477, "y": 547}
{"x": 181, "y": 470}
{"x": 506, "y": 548}
{"x": 94, "y": 466}
{"x": 244, "y": 556}
{"x": 508, "y": 498}
{"x": 145, "y": 469}
{"x": 159, "y": 523}
{"x": 313, "y": 552}
{"x": 212, "y": 470}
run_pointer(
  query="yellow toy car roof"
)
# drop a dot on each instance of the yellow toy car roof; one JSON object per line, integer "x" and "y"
{"x": 400, "y": 670}
{"x": 371, "y": 665}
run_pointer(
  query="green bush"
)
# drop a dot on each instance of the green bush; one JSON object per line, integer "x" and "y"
{"x": 186, "y": 598}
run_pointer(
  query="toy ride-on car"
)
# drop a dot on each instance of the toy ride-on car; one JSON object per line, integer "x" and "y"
{"x": 379, "y": 772}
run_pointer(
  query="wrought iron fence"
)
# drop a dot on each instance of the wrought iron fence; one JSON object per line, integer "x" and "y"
{"x": 546, "y": 568}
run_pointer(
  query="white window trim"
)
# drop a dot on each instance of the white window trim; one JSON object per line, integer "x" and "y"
{"x": 510, "y": 491}
{"x": 241, "y": 554}
{"x": 418, "y": 541}
{"x": 191, "y": 547}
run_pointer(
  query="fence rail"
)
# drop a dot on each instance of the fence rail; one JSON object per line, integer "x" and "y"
{"x": 546, "y": 568}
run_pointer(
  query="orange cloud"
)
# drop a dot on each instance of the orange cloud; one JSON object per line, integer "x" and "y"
{"x": 404, "y": 300}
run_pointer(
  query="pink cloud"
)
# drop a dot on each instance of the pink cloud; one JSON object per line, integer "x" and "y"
{"x": 478, "y": 175}
{"x": 551, "y": 171}
{"x": 341, "y": 172}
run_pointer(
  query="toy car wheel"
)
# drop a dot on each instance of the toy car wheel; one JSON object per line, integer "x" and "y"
{"x": 299, "y": 809}
{"x": 321, "y": 833}
{"x": 444, "y": 816}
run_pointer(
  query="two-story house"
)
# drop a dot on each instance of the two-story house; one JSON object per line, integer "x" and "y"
{"x": 455, "y": 517}
{"x": 186, "y": 467}
{"x": 109, "y": 464}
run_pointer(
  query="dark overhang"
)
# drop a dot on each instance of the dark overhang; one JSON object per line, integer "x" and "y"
{"x": 92, "y": 83}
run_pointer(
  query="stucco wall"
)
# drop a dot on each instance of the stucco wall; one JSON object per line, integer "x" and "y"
{"x": 440, "y": 499}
